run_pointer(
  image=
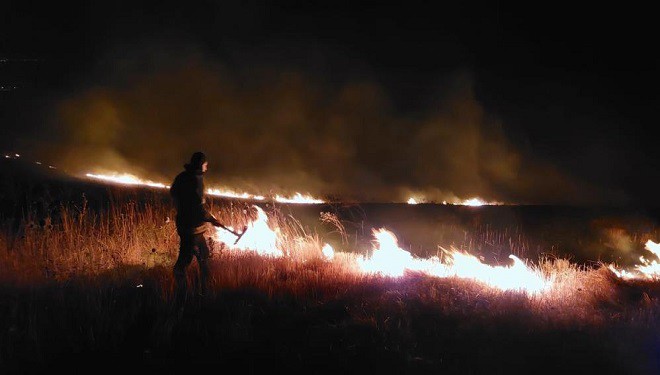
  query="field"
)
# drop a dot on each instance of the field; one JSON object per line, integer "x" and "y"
{"x": 86, "y": 283}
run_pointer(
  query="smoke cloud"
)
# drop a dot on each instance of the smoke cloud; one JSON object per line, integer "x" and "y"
{"x": 268, "y": 130}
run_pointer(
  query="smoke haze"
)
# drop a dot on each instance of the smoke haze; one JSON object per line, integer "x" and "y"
{"x": 276, "y": 130}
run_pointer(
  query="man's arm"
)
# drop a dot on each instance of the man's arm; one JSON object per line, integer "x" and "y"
{"x": 210, "y": 218}
{"x": 206, "y": 215}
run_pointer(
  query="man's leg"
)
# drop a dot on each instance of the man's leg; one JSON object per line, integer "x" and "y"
{"x": 203, "y": 261}
{"x": 186, "y": 246}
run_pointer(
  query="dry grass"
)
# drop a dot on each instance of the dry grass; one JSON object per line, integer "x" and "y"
{"x": 99, "y": 281}
{"x": 82, "y": 242}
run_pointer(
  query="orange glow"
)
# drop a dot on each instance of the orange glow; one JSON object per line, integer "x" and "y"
{"x": 298, "y": 198}
{"x": 129, "y": 179}
{"x": 477, "y": 202}
{"x": 328, "y": 252}
{"x": 648, "y": 269}
{"x": 232, "y": 194}
{"x": 258, "y": 237}
{"x": 390, "y": 260}
{"x": 474, "y": 202}
{"x": 126, "y": 179}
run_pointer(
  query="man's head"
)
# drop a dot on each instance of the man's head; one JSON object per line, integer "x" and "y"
{"x": 198, "y": 161}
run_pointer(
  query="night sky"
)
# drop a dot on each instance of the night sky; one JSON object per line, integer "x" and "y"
{"x": 540, "y": 104}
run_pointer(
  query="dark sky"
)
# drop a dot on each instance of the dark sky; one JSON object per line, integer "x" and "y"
{"x": 536, "y": 104}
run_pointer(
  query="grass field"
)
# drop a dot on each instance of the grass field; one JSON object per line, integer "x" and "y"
{"x": 88, "y": 285}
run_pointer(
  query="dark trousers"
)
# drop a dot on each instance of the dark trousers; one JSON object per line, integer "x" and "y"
{"x": 191, "y": 245}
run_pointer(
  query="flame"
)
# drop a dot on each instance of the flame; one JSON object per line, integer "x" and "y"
{"x": 328, "y": 252}
{"x": 126, "y": 179}
{"x": 232, "y": 194}
{"x": 648, "y": 269}
{"x": 474, "y": 202}
{"x": 387, "y": 258}
{"x": 391, "y": 260}
{"x": 129, "y": 179}
{"x": 478, "y": 202}
{"x": 258, "y": 237}
{"x": 298, "y": 198}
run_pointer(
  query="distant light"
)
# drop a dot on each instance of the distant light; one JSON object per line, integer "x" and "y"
{"x": 51, "y": 167}
{"x": 474, "y": 202}
{"x": 37, "y": 162}
{"x": 412, "y": 201}
{"x": 17, "y": 155}
{"x": 231, "y": 194}
{"x": 298, "y": 198}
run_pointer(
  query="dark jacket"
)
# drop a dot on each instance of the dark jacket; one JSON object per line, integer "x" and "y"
{"x": 187, "y": 191}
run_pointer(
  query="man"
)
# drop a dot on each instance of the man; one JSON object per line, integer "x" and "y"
{"x": 187, "y": 191}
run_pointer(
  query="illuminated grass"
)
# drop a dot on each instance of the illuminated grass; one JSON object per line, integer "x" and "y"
{"x": 99, "y": 283}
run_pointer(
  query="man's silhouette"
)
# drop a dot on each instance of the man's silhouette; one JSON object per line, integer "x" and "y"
{"x": 187, "y": 191}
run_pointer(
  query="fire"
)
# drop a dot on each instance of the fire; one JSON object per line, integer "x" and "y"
{"x": 299, "y": 198}
{"x": 391, "y": 260}
{"x": 328, "y": 252}
{"x": 232, "y": 194}
{"x": 127, "y": 179}
{"x": 388, "y": 258}
{"x": 477, "y": 202}
{"x": 474, "y": 202}
{"x": 648, "y": 269}
{"x": 261, "y": 238}
{"x": 258, "y": 237}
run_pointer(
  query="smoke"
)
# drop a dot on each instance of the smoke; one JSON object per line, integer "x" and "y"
{"x": 268, "y": 130}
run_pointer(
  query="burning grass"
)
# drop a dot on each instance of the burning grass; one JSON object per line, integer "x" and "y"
{"x": 96, "y": 285}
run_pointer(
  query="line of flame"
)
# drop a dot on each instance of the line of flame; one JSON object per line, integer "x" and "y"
{"x": 389, "y": 259}
{"x": 258, "y": 237}
{"x": 648, "y": 269}
{"x": 129, "y": 179}
{"x": 126, "y": 179}
{"x": 298, "y": 198}
{"x": 474, "y": 202}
